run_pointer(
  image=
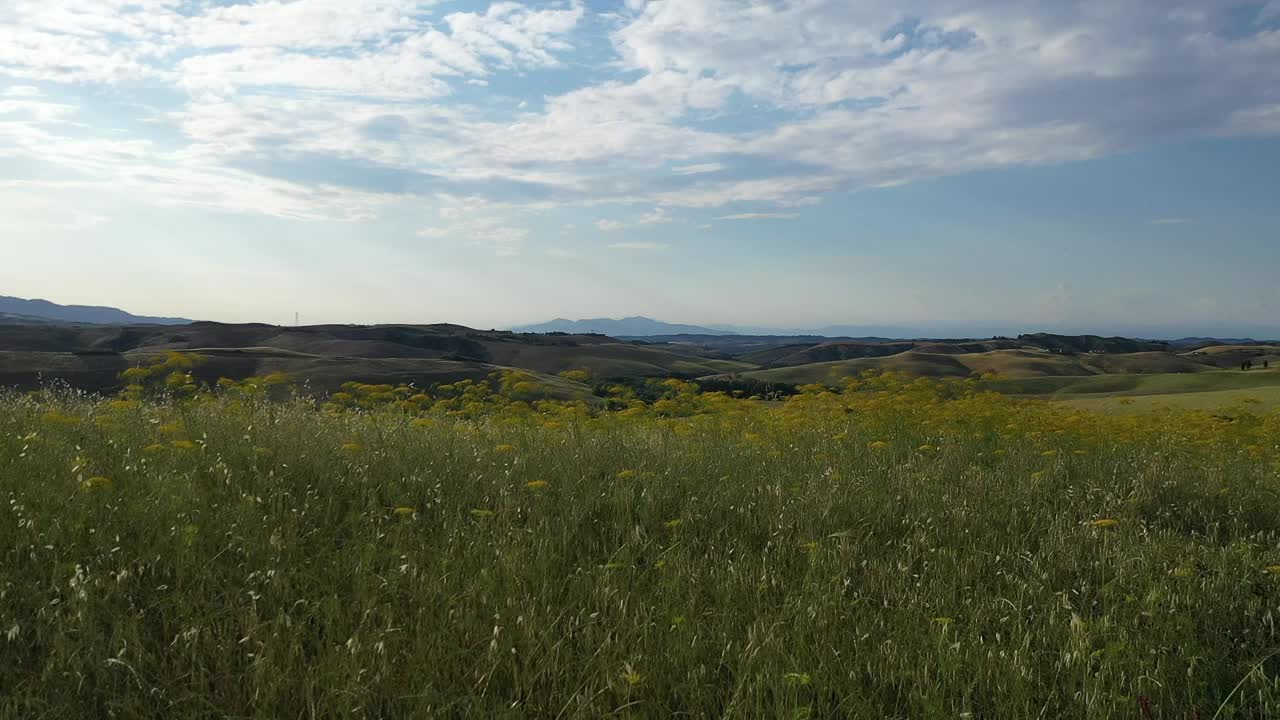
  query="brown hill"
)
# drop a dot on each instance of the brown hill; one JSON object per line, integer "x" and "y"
{"x": 1006, "y": 363}
{"x": 91, "y": 356}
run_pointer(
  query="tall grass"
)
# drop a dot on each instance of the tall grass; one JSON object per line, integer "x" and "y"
{"x": 892, "y": 552}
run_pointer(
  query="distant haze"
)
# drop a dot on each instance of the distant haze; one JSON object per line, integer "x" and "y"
{"x": 642, "y": 326}
{"x": 45, "y": 310}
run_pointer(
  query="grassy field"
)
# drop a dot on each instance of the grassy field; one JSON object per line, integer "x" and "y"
{"x": 1015, "y": 364}
{"x": 894, "y": 550}
{"x": 1250, "y": 400}
{"x": 1157, "y": 384}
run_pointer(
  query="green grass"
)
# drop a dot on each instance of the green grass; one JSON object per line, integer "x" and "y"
{"x": 1159, "y": 384}
{"x": 1018, "y": 364}
{"x": 1251, "y": 400}
{"x": 895, "y": 555}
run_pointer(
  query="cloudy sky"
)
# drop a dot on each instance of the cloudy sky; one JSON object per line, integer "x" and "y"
{"x": 1101, "y": 164}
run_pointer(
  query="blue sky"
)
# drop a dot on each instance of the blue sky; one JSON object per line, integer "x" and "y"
{"x": 968, "y": 166}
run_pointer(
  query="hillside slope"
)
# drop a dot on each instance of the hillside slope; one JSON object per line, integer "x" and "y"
{"x": 89, "y": 356}
{"x": 100, "y": 373}
{"x": 1007, "y": 363}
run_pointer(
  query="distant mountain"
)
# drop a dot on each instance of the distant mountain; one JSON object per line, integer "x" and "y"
{"x": 20, "y": 310}
{"x": 1092, "y": 343}
{"x": 828, "y": 331}
{"x": 1199, "y": 342}
{"x": 630, "y": 326}
{"x": 15, "y": 319}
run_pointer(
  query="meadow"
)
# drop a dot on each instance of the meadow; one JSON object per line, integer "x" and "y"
{"x": 890, "y": 549}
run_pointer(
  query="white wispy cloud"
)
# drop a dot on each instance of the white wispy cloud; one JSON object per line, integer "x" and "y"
{"x": 760, "y": 216}
{"x": 334, "y": 109}
{"x": 697, "y": 168}
{"x": 477, "y": 222}
{"x": 639, "y": 246}
{"x": 657, "y": 216}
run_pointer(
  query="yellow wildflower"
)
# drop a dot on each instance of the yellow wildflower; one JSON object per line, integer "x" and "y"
{"x": 96, "y": 483}
{"x": 404, "y": 511}
{"x": 878, "y": 445}
{"x": 631, "y": 677}
{"x": 793, "y": 678}
{"x": 537, "y": 485}
{"x": 1104, "y": 523}
{"x": 183, "y": 444}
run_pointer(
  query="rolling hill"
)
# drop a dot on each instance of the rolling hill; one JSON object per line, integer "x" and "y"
{"x": 101, "y": 372}
{"x": 1152, "y": 384}
{"x": 91, "y": 357}
{"x": 1007, "y": 363}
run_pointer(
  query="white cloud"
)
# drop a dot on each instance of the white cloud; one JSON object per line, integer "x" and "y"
{"x": 759, "y": 216}
{"x": 479, "y": 223}
{"x": 639, "y": 246}
{"x": 305, "y": 23}
{"x": 332, "y": 108}
{"x": 658, "y": 216}
{"x": 697, "y": 169}
{"x": 34, "y": 111}
{"x": 389, "y": 49}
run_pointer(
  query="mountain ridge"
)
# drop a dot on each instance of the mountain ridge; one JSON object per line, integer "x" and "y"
{"x": 89, "y": 314}
{"x": 633, "y": 326}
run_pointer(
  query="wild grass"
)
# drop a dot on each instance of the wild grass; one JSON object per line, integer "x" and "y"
{"x": 894, "y": 551}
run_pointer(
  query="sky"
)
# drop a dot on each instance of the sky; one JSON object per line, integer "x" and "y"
{"x": 1090, "y": 165}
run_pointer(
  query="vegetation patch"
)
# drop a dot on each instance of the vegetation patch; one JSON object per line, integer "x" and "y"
{"x": 892, "y": 548}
